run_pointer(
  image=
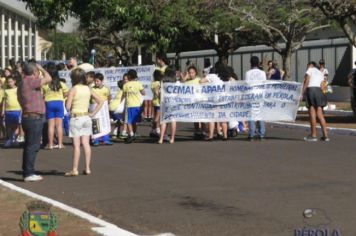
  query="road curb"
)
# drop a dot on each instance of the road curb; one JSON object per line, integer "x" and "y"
{"x": 104, "y": 228}
{"x": 331, "y": 130}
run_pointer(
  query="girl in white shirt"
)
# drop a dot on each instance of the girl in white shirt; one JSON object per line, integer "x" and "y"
{"x": 315, "y": 101}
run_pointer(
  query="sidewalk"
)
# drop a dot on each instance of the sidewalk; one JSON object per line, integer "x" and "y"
{"x": 13, "y": 204}
{"x": 339, "y": 121}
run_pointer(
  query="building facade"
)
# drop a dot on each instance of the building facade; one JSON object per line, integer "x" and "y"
{"x": 18, "y": 33}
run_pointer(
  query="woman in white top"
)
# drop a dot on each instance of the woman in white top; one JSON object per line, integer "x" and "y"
{"x": 315, "y": 101}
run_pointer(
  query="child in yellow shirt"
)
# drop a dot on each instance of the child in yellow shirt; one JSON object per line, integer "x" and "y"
{"x": 12, "y": 111}
{"x": 54, "y": 94}
{"x": 104, "y": 94}
{"x": 133, "y": 91}
{"x": 155, "y": 87}
{"x": 114, "y": 105}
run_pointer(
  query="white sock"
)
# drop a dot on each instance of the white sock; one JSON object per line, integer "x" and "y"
{"x": 132, "y": 134}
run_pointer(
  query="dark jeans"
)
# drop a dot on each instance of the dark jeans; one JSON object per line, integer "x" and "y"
{"x": 32, "y": 128}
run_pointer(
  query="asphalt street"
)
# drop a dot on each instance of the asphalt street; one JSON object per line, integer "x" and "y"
{"x": 200, "y": 188}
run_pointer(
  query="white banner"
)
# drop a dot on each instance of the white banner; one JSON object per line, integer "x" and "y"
{"x": 230, "y": 101}
{"x": 104, "y": 120}
{"x": 112, "y": 75}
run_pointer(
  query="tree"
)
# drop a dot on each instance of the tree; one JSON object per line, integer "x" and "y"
{"x": 222, "y": 29}
{"x": 282, "y": 21}
{"x": 69, "y": 44}
{"x": 341, "y": 11}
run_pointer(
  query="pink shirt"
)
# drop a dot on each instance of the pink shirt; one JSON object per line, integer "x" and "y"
{"x": 30, "y": 96}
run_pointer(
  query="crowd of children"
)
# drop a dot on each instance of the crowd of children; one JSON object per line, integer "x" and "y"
{"x": 126, "y": 108}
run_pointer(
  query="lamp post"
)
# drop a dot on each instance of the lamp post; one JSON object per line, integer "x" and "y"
{"x": 93, "y": 52}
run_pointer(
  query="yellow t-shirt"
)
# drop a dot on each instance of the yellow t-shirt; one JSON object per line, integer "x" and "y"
{"x": 50, "y": 95}
{"x": 81, "y": 99}
{"x": 102, "y": 92}
{"x": 133, "y": 95}
{"x": 1, "y": 97}
{"x": 155, "y": 100}
{"x": 162, "y": 69}
{"x": 11, "y": 102}
{"x": 193, "y": 81}
{"x": 115, "y": 103}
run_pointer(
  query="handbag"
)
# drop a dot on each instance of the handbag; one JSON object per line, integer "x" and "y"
{"x": 324, "y": 86}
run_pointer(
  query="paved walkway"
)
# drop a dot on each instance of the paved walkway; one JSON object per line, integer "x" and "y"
{"x": 207, "y": 188}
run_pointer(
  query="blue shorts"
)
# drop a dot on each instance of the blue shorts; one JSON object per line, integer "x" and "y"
{"x": 54, "y": 109}
{"x": 133, "y": 115}
{"x": 115, "y": 116}
{"x": 12, "y": 117}
{"x": 156, "y": 108}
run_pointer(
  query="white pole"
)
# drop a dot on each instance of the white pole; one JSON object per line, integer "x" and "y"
{"x": 16, "y": 30}
{"x": 353, "y": 56}
{"x": 9, "y": 38}
{"x": 2, "y": 39}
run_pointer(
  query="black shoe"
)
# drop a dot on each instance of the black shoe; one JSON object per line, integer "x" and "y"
{"x": 260, "y": 138}
{"x": 130, "y": 139}
{"x": 250, "y": 139}
{"x": 224, "y": 139}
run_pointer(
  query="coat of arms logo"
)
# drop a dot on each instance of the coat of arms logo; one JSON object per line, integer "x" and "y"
{"x": 38, "y": 220}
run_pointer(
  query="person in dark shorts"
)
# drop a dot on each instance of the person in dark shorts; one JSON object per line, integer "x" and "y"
{"x": 315, "y": 100}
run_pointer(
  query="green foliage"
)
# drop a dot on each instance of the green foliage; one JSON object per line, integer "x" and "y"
{"x": 49, "y": 13}
{"x": 70, "y": 44}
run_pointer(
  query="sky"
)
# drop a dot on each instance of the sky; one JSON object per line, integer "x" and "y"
{"x": 69, "y": 26}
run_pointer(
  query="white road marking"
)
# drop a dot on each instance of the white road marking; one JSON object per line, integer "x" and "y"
{"x": 105, "y": 228}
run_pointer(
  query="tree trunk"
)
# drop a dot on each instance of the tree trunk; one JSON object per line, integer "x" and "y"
{"x": 287, "y": 65}
{"x": 349, "y": 33}
{"x": 223, "y": 55}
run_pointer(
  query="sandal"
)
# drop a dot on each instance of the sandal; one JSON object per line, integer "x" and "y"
{"x": 71, "y": 173}
{"x": 86, "y": 172}
{"x": 48, "y": 147}
{"x": 61, "y": 146}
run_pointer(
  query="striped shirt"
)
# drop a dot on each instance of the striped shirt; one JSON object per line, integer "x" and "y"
{"x": 30, "y": 96}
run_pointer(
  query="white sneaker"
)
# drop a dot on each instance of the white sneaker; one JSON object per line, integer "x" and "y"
{"x": 33, "y": 178}
{"x": 20, "y": 139}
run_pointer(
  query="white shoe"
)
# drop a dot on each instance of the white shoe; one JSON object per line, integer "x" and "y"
{"x": 20, "y": 139}
{"x": 33, "y": 178}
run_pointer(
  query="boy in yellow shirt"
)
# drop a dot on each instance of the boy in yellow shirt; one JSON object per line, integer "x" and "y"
{"x": 12, "y": 111}
{"x": 104, "y": 94}
{"x": 155, "y": 87}
{"x": 133, "y": 91}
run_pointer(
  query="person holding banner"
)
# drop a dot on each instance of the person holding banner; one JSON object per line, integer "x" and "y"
{"x": 155, "y": 87}
{"x": 315, "y": 101}
{"x": 104, "y": 94}
{"x": 255, "y": 74}
{"x": 133, "y": 91}
{"x": 215, "y": 80}
{"x": 191, "y": 78}
{"x": 117, "y": 109}
{"x": 90, "y": 75}
{"x": 169, "y": 77}
{"x": 80, "y": 126}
